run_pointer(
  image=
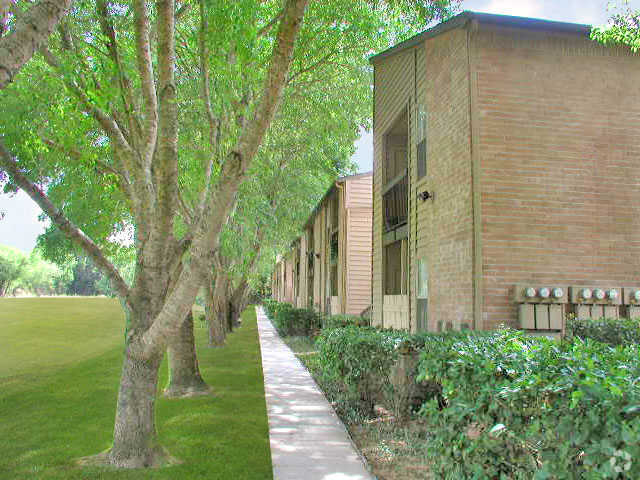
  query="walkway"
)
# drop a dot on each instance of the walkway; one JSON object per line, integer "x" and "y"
{"x": 308, "y": 440}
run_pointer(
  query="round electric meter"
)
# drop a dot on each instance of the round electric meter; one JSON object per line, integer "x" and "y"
{"x": 599, "y": 294}
{"x": 558, "y": 292}
{"x": 531, "y": 292}
{"x": 612, "y": 294}
{"x": 544, "y": 292}
{"x": 636, "y": 295}
{"x": 586, "y": 293}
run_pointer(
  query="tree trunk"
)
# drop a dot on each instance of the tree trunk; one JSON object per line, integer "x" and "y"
{"x": 184, "y": 374}
{"x": 238, "y": 303}
{"x": 216, "y": 311}
{"x": 135, "y": 440}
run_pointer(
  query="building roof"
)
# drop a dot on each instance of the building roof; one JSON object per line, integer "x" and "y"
{"x": 487, "y": 19}
{"x": 330, "y": 190}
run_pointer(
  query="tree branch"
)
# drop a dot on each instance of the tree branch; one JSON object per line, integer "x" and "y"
{"x": 206, "y": 237}
{"x": 32, "y": 31}
{"x": 279, "y": 65}
{"x": 108, "y": 30}
{"x": 145, "y": 68}
{"x": 273, "y": 22}
{"x": 76, "y": 235}
{"x": 77, "y": 155}
{"x": 107, "y": 122}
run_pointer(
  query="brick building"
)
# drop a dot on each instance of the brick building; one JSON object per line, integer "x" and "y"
{"x": 329, "y": 266}
{"x": 506, "y": 176}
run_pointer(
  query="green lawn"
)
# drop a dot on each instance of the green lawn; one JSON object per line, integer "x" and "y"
{"x": 60, "y": 361}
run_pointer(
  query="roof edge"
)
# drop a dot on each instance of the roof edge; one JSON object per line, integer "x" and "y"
{"x": 461, "y": 20}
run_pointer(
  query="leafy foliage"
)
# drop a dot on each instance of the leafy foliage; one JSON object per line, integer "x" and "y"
{"x": 621, "y": 331}
{"x": 521, "y": 407}
{"x": 623, "y": 29}
{"x": 290, "y": 321}
{"x": 30, "y": 273}
{"x": 12, "y": 263}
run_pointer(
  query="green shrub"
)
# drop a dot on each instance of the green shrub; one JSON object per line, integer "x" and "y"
{"x": 358, "y": 361}
{"x": 340, "y": 321}
{"x": 612, "y": 331}
{"x": 523, "y": 407}
{"x": 290, "y": 321}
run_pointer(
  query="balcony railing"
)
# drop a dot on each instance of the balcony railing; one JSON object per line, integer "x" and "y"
{"x": 395, "y": 201}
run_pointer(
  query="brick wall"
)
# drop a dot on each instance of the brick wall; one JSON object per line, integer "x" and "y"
{"x": 559, "y": 150}
{"x": 445, "y": 224}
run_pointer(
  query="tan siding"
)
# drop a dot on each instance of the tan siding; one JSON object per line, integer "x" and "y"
{"x": 359, "y": 192}
{"x": 559, "y": 148}
{"x": 359, "y": 223}
{"x": 394, "y": 86}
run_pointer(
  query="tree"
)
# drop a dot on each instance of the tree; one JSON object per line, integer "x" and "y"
{"x": 623, "y": 29}
{"x": 166, "y": 137}
{"x": 12, "y": 263}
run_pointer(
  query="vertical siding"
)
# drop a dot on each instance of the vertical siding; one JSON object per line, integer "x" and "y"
{"x": 394, "y": 87}
{"x": 559, "y": 147}
{"x": 444, "y": 226}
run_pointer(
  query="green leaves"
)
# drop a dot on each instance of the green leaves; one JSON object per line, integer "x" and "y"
{"x": 624, "y": 29}
{"x": 568, "y": 405}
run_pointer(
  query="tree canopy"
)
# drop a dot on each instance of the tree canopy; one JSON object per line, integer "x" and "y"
{"x": 158, "y": 115}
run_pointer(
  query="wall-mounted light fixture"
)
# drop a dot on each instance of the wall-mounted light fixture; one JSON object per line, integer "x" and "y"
{"x": 425, "y": 195}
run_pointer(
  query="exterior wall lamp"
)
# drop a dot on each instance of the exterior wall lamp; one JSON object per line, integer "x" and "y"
{"x": 425, "y": 195}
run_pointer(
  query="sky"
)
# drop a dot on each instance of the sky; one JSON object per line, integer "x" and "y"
{"x": 20, "y": 226}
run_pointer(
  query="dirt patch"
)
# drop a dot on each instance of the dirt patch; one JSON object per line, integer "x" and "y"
{"x": 394, "y": 450}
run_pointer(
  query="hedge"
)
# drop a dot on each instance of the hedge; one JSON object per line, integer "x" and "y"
{"x": 290, "y": 321}
{"x": 502, "y": 404}
{"x": 612, "y": 331}
{"x": 523, "y": 407}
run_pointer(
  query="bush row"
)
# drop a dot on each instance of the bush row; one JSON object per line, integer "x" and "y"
{"x": 290, "y": 321}
{"x": 522, "y": 407}
{"x": 606, "y": 330}
{"x": 499, "y": 404}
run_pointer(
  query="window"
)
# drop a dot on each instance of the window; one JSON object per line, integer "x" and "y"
{"x": 422, "y": 296}
{"x": 422, "y": 159}
{"x": 395, "y": 281}
{"x": 421, "y": 136}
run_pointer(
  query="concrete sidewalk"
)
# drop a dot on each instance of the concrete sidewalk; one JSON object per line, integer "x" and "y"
{"x": 308, "y": 440}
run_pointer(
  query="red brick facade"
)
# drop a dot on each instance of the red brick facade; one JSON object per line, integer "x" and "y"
{"x": 533, "y": 142}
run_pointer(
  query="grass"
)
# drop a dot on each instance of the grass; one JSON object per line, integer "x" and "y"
{"x": 60, "y": 365}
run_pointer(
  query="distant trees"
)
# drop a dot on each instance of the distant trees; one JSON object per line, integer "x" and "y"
{"x": 30, "y": 273}
{"x": 11, "y": 266}
{"x": 69, "y": 275}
